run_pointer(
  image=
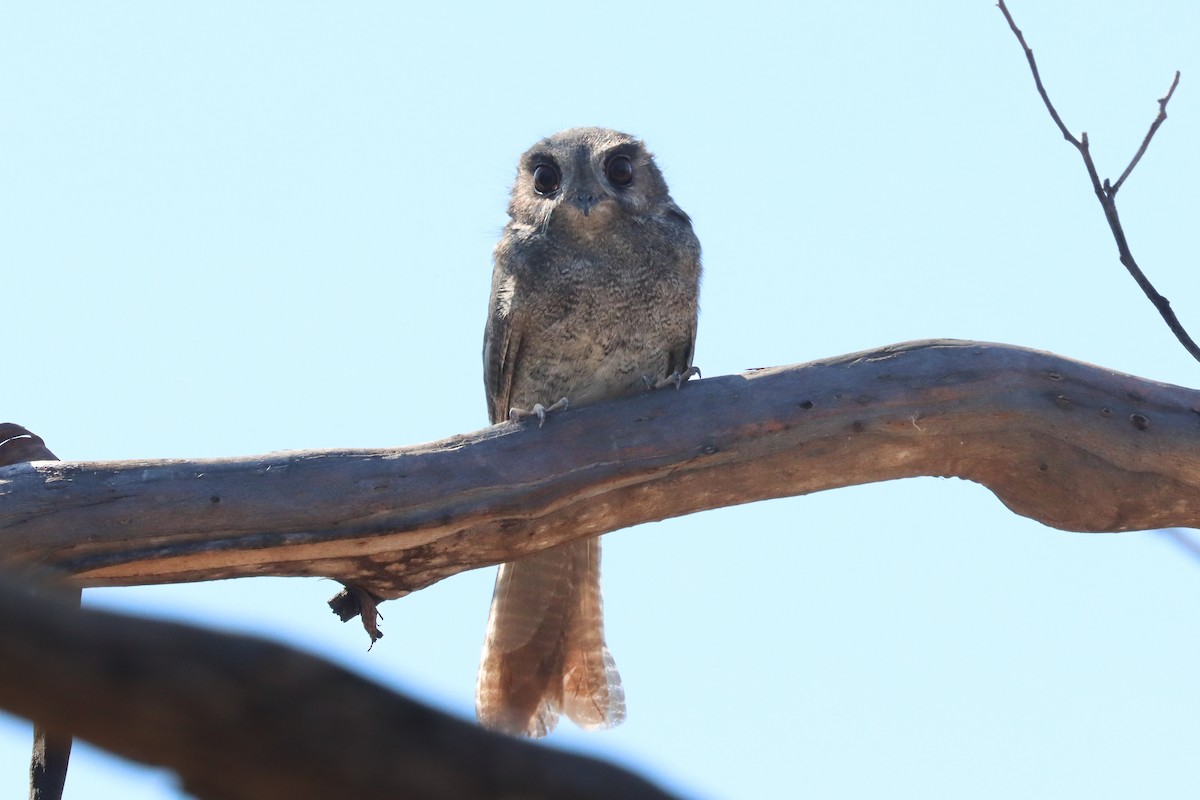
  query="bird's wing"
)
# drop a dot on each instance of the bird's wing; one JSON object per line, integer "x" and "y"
{"x": 501, "y": 346}
{"x": 680, "y": 352}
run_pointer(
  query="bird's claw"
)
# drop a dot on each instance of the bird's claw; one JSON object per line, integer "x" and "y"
{"x": 540, "y": 411}
{"x": 675, "y": 379}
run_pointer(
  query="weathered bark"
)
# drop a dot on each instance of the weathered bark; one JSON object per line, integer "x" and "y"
{"x": 1072, "y": 445}
{"x": 238, "y": 718}
{"x": 51, "y": 749}
{"x": 51, "y": 757}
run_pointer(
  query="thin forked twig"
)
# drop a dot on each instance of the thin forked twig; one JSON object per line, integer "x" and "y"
{"x": 1106, "y": 192}
{"x": 1037, "y": 78}
{"x": 1162, "y": 115}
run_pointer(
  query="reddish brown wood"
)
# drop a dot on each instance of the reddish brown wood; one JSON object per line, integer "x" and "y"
{"x": 1073, "y": 445}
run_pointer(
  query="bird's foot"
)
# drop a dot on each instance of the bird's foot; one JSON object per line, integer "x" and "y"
{"x": 675, "y": 379}
{"x": 540, "y": 411}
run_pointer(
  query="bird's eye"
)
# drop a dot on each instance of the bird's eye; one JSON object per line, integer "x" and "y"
{"x": 545, "y": 179}
{"x": 619, "y": 170}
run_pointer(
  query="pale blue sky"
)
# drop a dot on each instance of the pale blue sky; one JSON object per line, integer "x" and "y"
{"x": 229, "y": 230}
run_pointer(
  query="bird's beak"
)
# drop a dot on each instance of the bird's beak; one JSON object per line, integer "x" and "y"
{"x": 584, "y": 200}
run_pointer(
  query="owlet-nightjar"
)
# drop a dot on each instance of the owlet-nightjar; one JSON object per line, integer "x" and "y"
{"x": 594, "y": 295}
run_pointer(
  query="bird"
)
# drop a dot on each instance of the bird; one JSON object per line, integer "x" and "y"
{"x": 594, "y": 295}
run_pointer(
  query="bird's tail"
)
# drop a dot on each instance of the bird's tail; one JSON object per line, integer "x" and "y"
{"x": 545, "y": 652}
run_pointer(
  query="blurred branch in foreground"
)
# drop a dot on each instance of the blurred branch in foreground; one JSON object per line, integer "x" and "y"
{"x": 1184, "y": 540}
{"x": 239, "y": 718}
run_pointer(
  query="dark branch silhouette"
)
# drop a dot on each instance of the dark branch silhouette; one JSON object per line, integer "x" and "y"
{"x": 240, "y": 718}
{"x": 1106, "y": 193}
{"x": 51, "y": 749}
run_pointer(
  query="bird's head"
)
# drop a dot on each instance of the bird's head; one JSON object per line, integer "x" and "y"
{"x": 584, "y": 179}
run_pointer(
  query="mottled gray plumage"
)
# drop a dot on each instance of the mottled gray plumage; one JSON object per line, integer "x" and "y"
{"x": 594, "y": 295}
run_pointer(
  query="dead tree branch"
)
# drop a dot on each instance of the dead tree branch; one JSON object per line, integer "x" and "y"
{"x": 51, "y": 749}
{"x": 1072, "y": 445}
{"x": 1106, "y": 192}
{"x": 239, "y": 718}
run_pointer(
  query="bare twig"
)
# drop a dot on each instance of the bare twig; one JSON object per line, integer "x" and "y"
{"x": 1162, "y": 115}
{"x": 1106, "y": 192}
{"x": 1037, "y": 77}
